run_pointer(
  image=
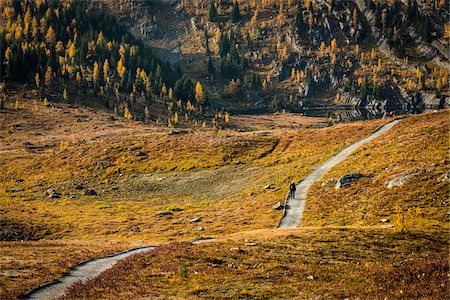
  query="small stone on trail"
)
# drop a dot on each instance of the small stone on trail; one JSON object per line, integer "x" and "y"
{"x": 384, "y": 220}
{"x": 14, "y": 190}
{"x": 79, "y": 187}
{"x": 310, "y": 277}
{"x": 195, "y": 220}
{"x": 200, "y": 228}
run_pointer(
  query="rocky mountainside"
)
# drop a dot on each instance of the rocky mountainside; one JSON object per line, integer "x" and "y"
{"x": 379, "y": 55}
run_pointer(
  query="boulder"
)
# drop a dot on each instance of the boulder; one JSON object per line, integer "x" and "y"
{"x": 90, "y": 192}
{"x": 54, "y": 196}
{"x": 399, "y": 181}
{"x": 52, "y": 193}
{"x": 347, "y": 179}
{"x": 278, "y": 206}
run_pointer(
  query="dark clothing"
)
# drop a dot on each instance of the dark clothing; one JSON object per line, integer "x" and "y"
{"x": 292, "y": 190}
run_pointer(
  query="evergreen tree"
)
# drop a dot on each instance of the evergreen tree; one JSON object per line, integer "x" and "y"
{"x": 235, "y": 13}
{"x": 213, "y": 15}
{"x": 211, "y": 69}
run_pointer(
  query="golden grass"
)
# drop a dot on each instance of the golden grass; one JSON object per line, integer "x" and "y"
{"x": 218, "y": 176}
{"x": 306, "y": 264}
{"x": 221, "y": 178}
{"x": 418, "y": 145}
{"x": 24, "y": 265}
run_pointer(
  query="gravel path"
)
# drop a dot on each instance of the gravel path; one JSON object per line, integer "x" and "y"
{"x": 295, "y": 206}
{"x": 82, "y": 272}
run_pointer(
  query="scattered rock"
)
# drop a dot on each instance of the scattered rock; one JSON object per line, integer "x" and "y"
{"x": 238, "y": 249}
{"x": 79, "y": 187}
{"x": 268, "y": 187}
{"x": 54, "y": 196}
{"x": 103, "y": 164}
{"x": 52, "y": 193}
{"x": 347, "y": 179}
{"x": 399, "y": 181}
{"x": 195, "y": 220}
{"x": 14, "y": 190}
{"x": 164, "y": 213}
{"x": 90, "y": 192}
{"x": 310, "y": 277}
{"x": 7, "y": 235}
{"x": 200, "y": 228}
{"x": 140, "y": 154}
{"x": 446, "y": 161}
{"x": 384, "y": 220}
{"x": 387, "y": 226}
{"x": 27, "y": 144}
{"x": 250, "y": 244}
{"x": 173, "y": 131}
{"x": 278, "y": 206}
{"x": 444, "y": 178}
{"x": 18, "y": 180}
{"x": 329, "y": 182}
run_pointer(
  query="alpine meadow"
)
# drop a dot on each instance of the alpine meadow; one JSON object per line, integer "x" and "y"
{"x": 224, "y": 149}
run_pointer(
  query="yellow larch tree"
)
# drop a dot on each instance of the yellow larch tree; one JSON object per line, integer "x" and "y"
{"x": 199, "y": 93}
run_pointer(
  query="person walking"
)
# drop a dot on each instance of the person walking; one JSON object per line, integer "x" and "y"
{"x": 292, "y": 190}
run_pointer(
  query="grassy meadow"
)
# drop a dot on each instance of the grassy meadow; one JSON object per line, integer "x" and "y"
{"x": 220, "y": 184}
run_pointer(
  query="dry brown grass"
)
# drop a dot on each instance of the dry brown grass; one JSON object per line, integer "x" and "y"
{"x": 218, "y": 176}
{"x": 343, "y": 263}
{"x": 24, "y": 265}
{"x": 418, "y": 145}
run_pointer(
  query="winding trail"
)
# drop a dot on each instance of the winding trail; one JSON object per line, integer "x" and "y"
{"x": 84, "y": 271}
{"x": 292, "y": 215}
{"x": 294, "y": 206}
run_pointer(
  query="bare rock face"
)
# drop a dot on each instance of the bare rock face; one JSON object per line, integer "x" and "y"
{"x": 347, "y": 179}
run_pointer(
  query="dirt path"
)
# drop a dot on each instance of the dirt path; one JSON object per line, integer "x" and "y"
{"x": 295, "y": 206}
{"x": 82, "y": 272}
